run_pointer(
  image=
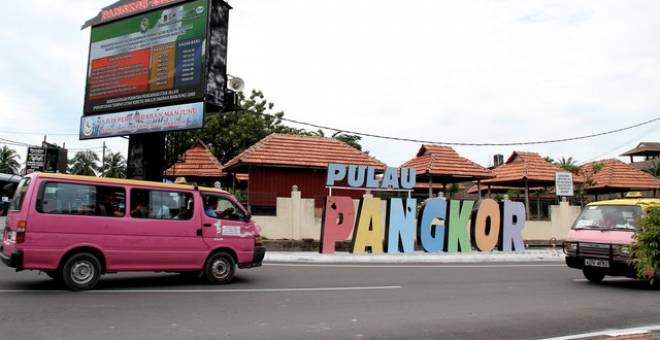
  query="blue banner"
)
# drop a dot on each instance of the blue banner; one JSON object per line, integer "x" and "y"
{"x": 160, "y": 119}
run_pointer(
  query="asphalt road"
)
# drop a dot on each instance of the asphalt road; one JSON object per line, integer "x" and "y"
{"x": 493, "y": 301}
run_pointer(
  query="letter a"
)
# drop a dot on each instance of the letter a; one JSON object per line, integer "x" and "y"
{"x": 369, "y": 229}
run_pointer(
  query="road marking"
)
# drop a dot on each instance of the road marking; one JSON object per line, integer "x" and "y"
{"x": 188, "y": 291}
{"x": 411, "y": 266}
{"x": 610, "y": 332}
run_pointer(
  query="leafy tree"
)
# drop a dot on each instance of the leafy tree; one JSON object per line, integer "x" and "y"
{"x": 229, "y": 133}
{"x": 9, "y": 161}
{"x": 84, "y": 163}
{"x": 453, "y": 189}
{"x": 114, "y": 166}
{"x": 549, "y": 159}
{"x": 646, "y": 249}
{"x": 352, "y": 140}
{"x": 588, "y": 180}
{"x": 654, "y": 169}
{"x": 568, "y": 164}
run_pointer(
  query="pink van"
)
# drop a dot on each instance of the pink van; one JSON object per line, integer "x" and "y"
{"x": 75, "y": 228}
{"x": 599, "y": 241}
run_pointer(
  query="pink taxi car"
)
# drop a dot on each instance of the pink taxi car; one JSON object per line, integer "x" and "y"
{"x": 599, "y": 241}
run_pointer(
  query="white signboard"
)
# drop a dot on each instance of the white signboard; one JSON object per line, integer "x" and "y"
{"x": 564, "y": 183}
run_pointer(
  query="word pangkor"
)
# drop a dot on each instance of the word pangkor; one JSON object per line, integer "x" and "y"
{"x": 440, "y": 225}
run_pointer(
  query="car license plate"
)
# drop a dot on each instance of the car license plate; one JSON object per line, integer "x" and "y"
{"x": 597, "y": 263}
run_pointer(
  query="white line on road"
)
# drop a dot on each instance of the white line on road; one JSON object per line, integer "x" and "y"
{"x": 610, "y": 332}
{"x": 411, "y": 266}
{"x": 188, "y": 291}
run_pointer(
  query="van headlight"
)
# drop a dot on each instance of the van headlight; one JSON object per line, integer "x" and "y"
{"x": 621, "y": 250}
{"x": 570, "y": 247}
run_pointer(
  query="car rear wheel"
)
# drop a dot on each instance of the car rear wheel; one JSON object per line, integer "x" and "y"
{"x": 81, "y": 271}
{"x": 220, "y": 268}
{"x": 593, "y": 275}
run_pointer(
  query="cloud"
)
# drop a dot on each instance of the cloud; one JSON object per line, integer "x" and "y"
{"x": 465, "y": 71}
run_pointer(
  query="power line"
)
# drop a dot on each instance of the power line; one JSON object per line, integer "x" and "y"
{"x": 38, "y": 133}
{"x": 403, "y": 139}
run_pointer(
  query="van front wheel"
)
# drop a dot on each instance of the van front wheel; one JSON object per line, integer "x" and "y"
{"x": 220, "y": 268}
{"x": 81, "y": 271}
{"x": 593, "y": 275}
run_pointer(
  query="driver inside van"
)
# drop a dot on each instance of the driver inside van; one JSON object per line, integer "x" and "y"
{"x": 211, "y": 207}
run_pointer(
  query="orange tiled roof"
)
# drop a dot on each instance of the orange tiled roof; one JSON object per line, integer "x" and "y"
{"x": 619, "y": 175}
{"x": 439, "y": 161}
{"x": 526, "y": 165}
{"x": 198, "y": 161}
{"x": 301, "y": 151}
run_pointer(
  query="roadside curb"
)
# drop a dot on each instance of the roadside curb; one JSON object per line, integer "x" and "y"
{"x": 536, "y": 255}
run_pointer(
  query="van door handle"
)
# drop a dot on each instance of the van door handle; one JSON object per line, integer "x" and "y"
{"x": 199, "y": 232}
{"x": 207, "y": 224}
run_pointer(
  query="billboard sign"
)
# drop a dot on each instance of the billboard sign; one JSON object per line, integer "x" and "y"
{"x": 169, "y": 118}
{"x": 149, "y": 59}
{"x": 36, "y": 159}
{"x": 564, "y": 183}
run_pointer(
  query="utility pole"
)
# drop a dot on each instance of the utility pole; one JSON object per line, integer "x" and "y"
{"x": 103, "y": 161}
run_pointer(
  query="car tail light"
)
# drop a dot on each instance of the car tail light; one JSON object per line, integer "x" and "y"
{"x": 20, "y": 231}
{"x": 258, "y": 241}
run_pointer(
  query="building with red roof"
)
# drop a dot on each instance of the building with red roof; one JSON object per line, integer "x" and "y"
{"x": 436, "y": 164}
{"x": 197, "y": 165}
{"x": 278, "y": 162}
{"x": 525, "y": 169}
{"x": 615, "y": 176}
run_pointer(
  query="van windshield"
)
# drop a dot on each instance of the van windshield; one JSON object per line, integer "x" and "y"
{"x": 609, "y": 217}
{"x": 19, "y": 196}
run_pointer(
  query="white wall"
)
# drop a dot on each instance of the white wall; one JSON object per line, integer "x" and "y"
{"x": 295, "y": 220}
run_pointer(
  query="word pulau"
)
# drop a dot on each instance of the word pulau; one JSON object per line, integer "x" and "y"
{"x": 365, "y": 176}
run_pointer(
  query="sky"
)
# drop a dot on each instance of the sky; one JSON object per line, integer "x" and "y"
{"x": 447, "y": 71}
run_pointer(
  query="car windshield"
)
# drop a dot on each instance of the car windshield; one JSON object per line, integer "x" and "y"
{"x": 607, "y": 217}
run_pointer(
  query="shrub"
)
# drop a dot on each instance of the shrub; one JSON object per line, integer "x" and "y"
{"x": 646, "y": 250}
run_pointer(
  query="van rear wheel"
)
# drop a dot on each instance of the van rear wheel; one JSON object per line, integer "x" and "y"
{"x": 81, "y": 271}
{"x": 220, "y": 268}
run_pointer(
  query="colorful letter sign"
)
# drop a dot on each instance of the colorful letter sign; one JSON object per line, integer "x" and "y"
{"x": 453, "y": 226}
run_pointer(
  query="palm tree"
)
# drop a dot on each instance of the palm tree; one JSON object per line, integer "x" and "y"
{"x": 9, "y": 161}
{"x": 568, "y": 164}
{"x": 114, "y": 166}
{"x": 654, "y": 169}
{"x": 84, "y": 163}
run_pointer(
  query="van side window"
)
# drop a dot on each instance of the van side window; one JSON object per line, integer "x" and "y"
{"x": 161, "y": 205}
{"x": 81, "y": 199}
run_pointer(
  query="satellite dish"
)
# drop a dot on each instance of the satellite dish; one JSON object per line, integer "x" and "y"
{"x": 236, "y": 84}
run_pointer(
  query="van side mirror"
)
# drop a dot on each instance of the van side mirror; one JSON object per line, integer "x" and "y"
{"x": 248, "y": 217}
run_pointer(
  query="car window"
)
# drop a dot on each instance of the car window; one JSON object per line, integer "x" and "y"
{"x": 81, "y": 199}
{"x": 162, "y": 205}
{"x": 219, "y": 206}
{"x": 19, "y": 196}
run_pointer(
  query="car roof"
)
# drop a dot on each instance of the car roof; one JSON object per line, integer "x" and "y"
{"x": 645, "y": 203}
{"x": 120, "y": 181}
